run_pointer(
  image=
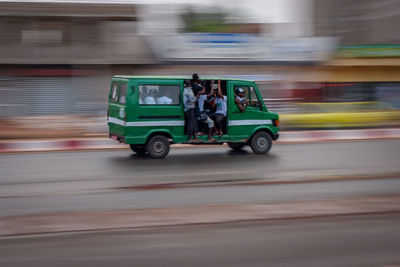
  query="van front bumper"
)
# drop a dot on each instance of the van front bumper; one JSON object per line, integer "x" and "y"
{"x": 275, "y": 137}
{"x": 118, "y": 138}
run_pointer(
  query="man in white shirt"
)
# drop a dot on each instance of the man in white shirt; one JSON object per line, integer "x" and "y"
{"x": 220, "y": 113}
{"x": 151, "y": 98}
{"x": 165, "y": 100}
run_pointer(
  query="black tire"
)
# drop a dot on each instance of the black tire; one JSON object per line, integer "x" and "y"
{"x": 138, "y": 149}
{"x": 261, "y": 143}
{"x": 236, "y": 146}
{"x": 158, "y": 146}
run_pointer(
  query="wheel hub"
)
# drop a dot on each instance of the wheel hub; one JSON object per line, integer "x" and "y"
{"x": 158, "y": 147}
{"x": 261, "y": 142}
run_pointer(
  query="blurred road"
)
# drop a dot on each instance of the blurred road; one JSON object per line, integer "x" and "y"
{"x": 372, "y": 240}
{"x": 79, "y": 181}
{"x": 114, "y": 169}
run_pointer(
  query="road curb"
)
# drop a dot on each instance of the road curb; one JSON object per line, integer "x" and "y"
{"x": 10, "y": 146}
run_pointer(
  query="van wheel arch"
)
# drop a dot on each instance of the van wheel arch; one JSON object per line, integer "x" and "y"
{"x": 165, "y": 134}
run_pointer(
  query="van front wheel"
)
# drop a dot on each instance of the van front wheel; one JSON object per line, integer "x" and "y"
{"x": 261, "y": 143}
{"x": 158, "y": 146}
{"x": 138, "y": 149}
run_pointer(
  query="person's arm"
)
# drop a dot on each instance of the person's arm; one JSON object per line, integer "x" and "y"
{"x": 212, "y": 89}
{"x": 203, "y": 91}
{"x": 219, "y": 90}
{"x": 185, "y": 98}
{"x": 239, "y": 105}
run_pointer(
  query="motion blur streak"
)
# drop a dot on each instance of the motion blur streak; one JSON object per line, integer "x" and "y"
{"x": 321, "y": 65}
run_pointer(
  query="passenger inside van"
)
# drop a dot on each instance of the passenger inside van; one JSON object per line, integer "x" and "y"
{"x": 240, "y": 100}
{"x": 151, "y": 97}
{"x": 165, "y": 99}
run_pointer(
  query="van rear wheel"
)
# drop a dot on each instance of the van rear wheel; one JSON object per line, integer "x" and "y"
{"x": 158, "y": 146}
{"x": 138, "y": 149}
{"x": 261, "y": 143}
{"x": 236, "y": 146}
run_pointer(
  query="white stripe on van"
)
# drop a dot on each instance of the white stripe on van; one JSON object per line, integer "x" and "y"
{"x": 146, "y": 123}
{"x": 249, "y": 122}
{"x": 116, "y": 121}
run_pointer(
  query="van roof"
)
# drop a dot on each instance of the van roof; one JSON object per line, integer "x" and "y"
{"x": 205, "y": 77}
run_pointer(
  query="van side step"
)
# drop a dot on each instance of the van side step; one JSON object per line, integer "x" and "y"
{"x": 204, "y": 143}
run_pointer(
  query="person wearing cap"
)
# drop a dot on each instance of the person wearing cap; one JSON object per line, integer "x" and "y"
{"x": 240, "y": 101}
{"x": 196, "y": 86}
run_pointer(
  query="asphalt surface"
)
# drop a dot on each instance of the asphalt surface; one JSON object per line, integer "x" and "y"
{"x": 372, "y": 240}
{"x": 202, "y": 196}
{"x": 101, "y": 180}
{"x": 111, "y": 169}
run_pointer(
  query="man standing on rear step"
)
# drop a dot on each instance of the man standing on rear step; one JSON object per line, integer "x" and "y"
{"x": 189, "y": 101}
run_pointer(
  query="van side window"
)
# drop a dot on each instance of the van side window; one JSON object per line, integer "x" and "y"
{"x": 114, "y": 92}
{"x": 253, "y": 100}
{"x": 160, "y": 95}
{"x": 122, "y": 93}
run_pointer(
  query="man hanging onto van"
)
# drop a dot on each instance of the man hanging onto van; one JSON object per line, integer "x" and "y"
{"x": 197, "y": 87}
{"x": 220, "y": 113}
{"x": 240, "y": 101}
{"x": 189, "y": 101}
{"x": 203, "y": 113}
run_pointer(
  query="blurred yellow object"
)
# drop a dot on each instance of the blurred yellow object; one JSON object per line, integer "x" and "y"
{"x": 341, "y": 115}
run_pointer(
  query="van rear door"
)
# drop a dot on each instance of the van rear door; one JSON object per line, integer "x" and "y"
{"x": 159, "y": 106}
{"x": 117, "y": 107}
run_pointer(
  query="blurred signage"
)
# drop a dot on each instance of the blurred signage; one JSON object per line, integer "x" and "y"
{"x": 389, "y": 50}
{"x": 240, "y": 47}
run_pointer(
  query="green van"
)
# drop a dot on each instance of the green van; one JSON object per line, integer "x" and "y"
{"x": 146, "y": 112}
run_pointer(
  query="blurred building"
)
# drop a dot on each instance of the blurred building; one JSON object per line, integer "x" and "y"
{"x": 358, "y": 22}
{"x": 57, "y": 57}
